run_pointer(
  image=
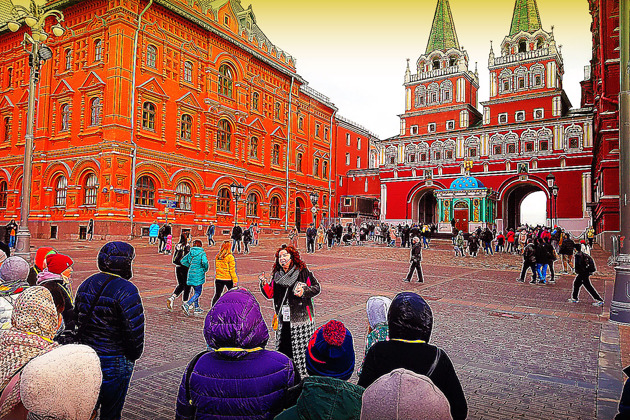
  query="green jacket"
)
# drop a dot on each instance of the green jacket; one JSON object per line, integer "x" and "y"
{"x": 326, "y": 398}
{"x": 197, "y": 260}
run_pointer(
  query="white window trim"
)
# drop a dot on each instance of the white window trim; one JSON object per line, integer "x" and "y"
{"x": 517, "y": 114}
{"x": 542, "y": 110}
{"x": 432, "y": 127}
{"x": 413, "y": 129}
{"x": 452, "y": 122}
{"x": 503, "y": 114}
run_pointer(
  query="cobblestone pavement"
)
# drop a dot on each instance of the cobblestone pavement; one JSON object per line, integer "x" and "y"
{"x": 520, "y": 350}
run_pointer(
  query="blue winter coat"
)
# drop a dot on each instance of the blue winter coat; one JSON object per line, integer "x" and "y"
{"x": 228, "y": 383}
{"x": 153, "y": 230}
{"x": 197, "y": 260}
{"x": 116, "y": 325}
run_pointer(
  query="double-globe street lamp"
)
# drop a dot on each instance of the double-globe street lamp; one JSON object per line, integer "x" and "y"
{"x": 314, "y": 201}
{"x": 237, "y": 191}
{"x": 32, "y": 13}
{"x": 553, "y": 192}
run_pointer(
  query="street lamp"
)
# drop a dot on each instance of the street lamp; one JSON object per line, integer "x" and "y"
{"x": 314, "y": 201}
{"x": 554, "y": 190}
{"x": 551, "y": 184}
{"x": 237, "y": 191}
{"x": 551, "y": 181}
{"x": 31, "y": 12}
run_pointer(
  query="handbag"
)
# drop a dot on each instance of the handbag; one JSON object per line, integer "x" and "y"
{"x": 274, "y": 321}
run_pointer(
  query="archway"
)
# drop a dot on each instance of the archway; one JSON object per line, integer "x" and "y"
{"x": 534, "y": 209}
{"x": 424, "y": 207}
{"x": 299, "y": 206}
{"x": 512, "y": 204}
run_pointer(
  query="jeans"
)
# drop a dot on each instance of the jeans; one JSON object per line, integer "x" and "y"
{"x": 161, "y": 244}
{"x": 236, "y": 244}
{"x": 526, "y": 265}
{"x": 541, "y": 269}
{"x": 195, "y": 298}
{"x": 210, "y": 240}
{"x": 12, "y": 241}
{"x": 425, "y": 241}
{"x": 117, "y": 372}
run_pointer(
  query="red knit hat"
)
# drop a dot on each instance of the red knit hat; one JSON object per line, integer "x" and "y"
{"x": 58, "y": 263}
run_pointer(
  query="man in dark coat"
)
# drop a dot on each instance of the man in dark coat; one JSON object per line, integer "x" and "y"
{"x": 311, "y": 233}
{"x": 416, "y": 257}
{"x": 162, "y": 238}
{"x": 237, "y": 237}
{"x": 529, "y": 261}
{"x": 110, "y": 319}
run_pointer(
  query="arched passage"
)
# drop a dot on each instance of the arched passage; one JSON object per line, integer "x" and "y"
{"x": 512, "y": 203}
{"x": 299, "y": 214}
{"x": 534, "y": 209}
{"x": 424, "y": 207}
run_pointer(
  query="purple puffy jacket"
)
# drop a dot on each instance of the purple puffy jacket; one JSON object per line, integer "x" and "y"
{"x": 250, "y": 383}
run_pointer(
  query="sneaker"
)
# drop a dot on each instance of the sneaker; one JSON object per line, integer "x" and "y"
{"x": 532, "y": 282}
{"x": 573, "y": 300}
{"x": 186, "y": 308}
{"x": 521, "y": 280}
{"x": 406, "y": 280}
{"x": 598, "y": 303}
{"x": 169, "y": 303}
{"x": 198, "y": 310}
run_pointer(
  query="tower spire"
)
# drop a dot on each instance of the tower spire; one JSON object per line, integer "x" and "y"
{"x": 443, "y": 36}
{"x": 526, "y": 17}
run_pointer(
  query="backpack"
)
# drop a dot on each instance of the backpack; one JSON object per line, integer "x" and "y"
{"x": 179, "y": 253}
{"x": 587, "y": 265}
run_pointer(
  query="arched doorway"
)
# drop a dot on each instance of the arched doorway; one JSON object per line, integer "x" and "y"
{"x": 424, "y": 207}
{"x": 461, "y": 215}
{"x": 299, "y": 206}
{"x": 512, "y": 204}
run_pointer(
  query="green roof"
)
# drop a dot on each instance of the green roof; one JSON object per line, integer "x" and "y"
{"x": 526, "y": 17}
{"x": 443, "y": 36}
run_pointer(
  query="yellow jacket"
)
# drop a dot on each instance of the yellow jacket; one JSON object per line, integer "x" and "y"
{"x": 226, "y": 269}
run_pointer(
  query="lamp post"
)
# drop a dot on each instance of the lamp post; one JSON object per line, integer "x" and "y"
{"x": 314, "y": 200}
{"x": 237, "y": 191}
{"x": 554, "y": 190}
{"x": 551, "y": 184}
{"x": 32, "y": 13}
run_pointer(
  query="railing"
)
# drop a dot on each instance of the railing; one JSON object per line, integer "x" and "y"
{"x": 434, "y": 73}
{"x": 315, "y": 94}
{"x": 347, "y": 121}
{"x": 521, "y": 56}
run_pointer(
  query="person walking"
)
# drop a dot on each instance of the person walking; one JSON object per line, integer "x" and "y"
{"x": 154, "y": 230}
{"x": 225, "y": 269}
{"x": 181, "y": 272}
{"x": 162, "y": 238}
{"x": 311, "y": 233}
{"x": 237, "y": 237}
{"x": 256, "y": 234}
{"x": 460, "y": 244}
{"x": 566, "y": 252}
{"x": 416, "y": 258}
{"x": 510, "y": 238}
{"x": 330, "y": 236}
{"x": 321, "y": 237}
{"x": 90, "y": 230}
{"x": 293, "y": 237}
{"x": 529, "y": 261}
{"x": 590, "y": 236}
{"x": 210, "y": 234}
{"x": 110, "y": 319}
{"x": 292, "y": 287}
{"x": 247, "y": 239}
{"x": 197, "y": 262}
{"x": 584, "y": 267}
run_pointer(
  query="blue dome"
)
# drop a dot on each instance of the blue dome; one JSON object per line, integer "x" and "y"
{"x": 466, "y": 183}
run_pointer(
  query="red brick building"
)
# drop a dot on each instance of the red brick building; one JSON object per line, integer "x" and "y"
{"x": 202, "y": 100}
{"x": 527, "y": 130}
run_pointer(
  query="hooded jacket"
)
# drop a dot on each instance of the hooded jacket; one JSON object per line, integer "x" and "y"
{"x": 197, "y": 261}
{"x": 116, "y": 326}
{"x": 325, "y": 398}
{"x": 410, "y": 323}
{"x": 237, "y": 378}
{"x": 56, "y": 281}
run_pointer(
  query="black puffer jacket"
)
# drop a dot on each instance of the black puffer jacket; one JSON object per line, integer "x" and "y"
{"x": 116, "y": 324}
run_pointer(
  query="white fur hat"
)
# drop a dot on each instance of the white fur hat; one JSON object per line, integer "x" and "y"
{"x": 63, "y": 383}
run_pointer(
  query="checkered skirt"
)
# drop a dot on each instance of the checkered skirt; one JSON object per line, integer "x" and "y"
{"x": 301, "y": 333}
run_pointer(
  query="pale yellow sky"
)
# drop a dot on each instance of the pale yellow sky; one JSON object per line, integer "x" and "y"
{"x": 355, "y": 51}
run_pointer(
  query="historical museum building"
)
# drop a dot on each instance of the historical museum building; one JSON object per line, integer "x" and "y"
{"x": 452, "y": 163}
{"x": 159, "y": 109}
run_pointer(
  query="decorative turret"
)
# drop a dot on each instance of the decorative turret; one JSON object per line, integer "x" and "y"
{"x": 443, "y": 36}
{"x": 526, "y": 17}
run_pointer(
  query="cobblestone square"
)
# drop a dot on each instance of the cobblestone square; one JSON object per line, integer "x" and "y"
{"x": 520, "y": 350}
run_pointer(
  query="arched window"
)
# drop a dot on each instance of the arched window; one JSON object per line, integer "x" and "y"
{"x": 274, "y": 208}
{"x": 148, "y": 116}
{"x": 298, "y": 162}
{"x": 98, "y": 50}
{"x": 540, "y": 43}
{"x": 61, "y": 188}
{"x": 325, "y": 169}
{"x": 253, "y": 148}
{"x": 65, "y": 117}
{"x": 255, "y": 97}
{"x": 224, "y": 135}
{"x": 223, "y": 201}
{"x": 421, "y": 96}
{"x": 225, "y": 80}
{"x": 436, "y": 64}
{"x": 151, "y": 56}
{"x": 434, "y": 89}
{"x": 446, "y": 91}
{"x": 251, "y": 205}
{"x": 7, "y": 129}
{"x": 3, "y": 194}
{"x": 188, "y": 69}
{"x": 522, "y": 46}
{"x": 145, "y": 192}
{"x": 275, "y": 154}
{"x": 183, "y": 195}
{"x": 90, "y": 190}
{"x": 68, "y": 59}
{"x": 185, "y": 130}
{"x": 391, "y": 156}
{"x": 316, "y": 167}
{"x": 95, "y": 112}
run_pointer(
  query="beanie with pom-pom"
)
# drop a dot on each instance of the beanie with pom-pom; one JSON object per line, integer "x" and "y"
{"x": 330, "y": 352}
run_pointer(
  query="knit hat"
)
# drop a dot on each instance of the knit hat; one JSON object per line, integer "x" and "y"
{"x": 402, "y": 394}
{"x": 13, "y": 274}
{"x": 377, "y": 307}
{"x": 41, "y": 254}
{"x": 330, "y": 352}
{"x": 58, "y": 263}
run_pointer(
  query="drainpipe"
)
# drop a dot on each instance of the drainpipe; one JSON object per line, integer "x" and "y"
{"x": 602, "y": 70}
{"x": 332, "y": 130}
{"x": 133, "y": 117}
{"x": 286, "y": 160}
